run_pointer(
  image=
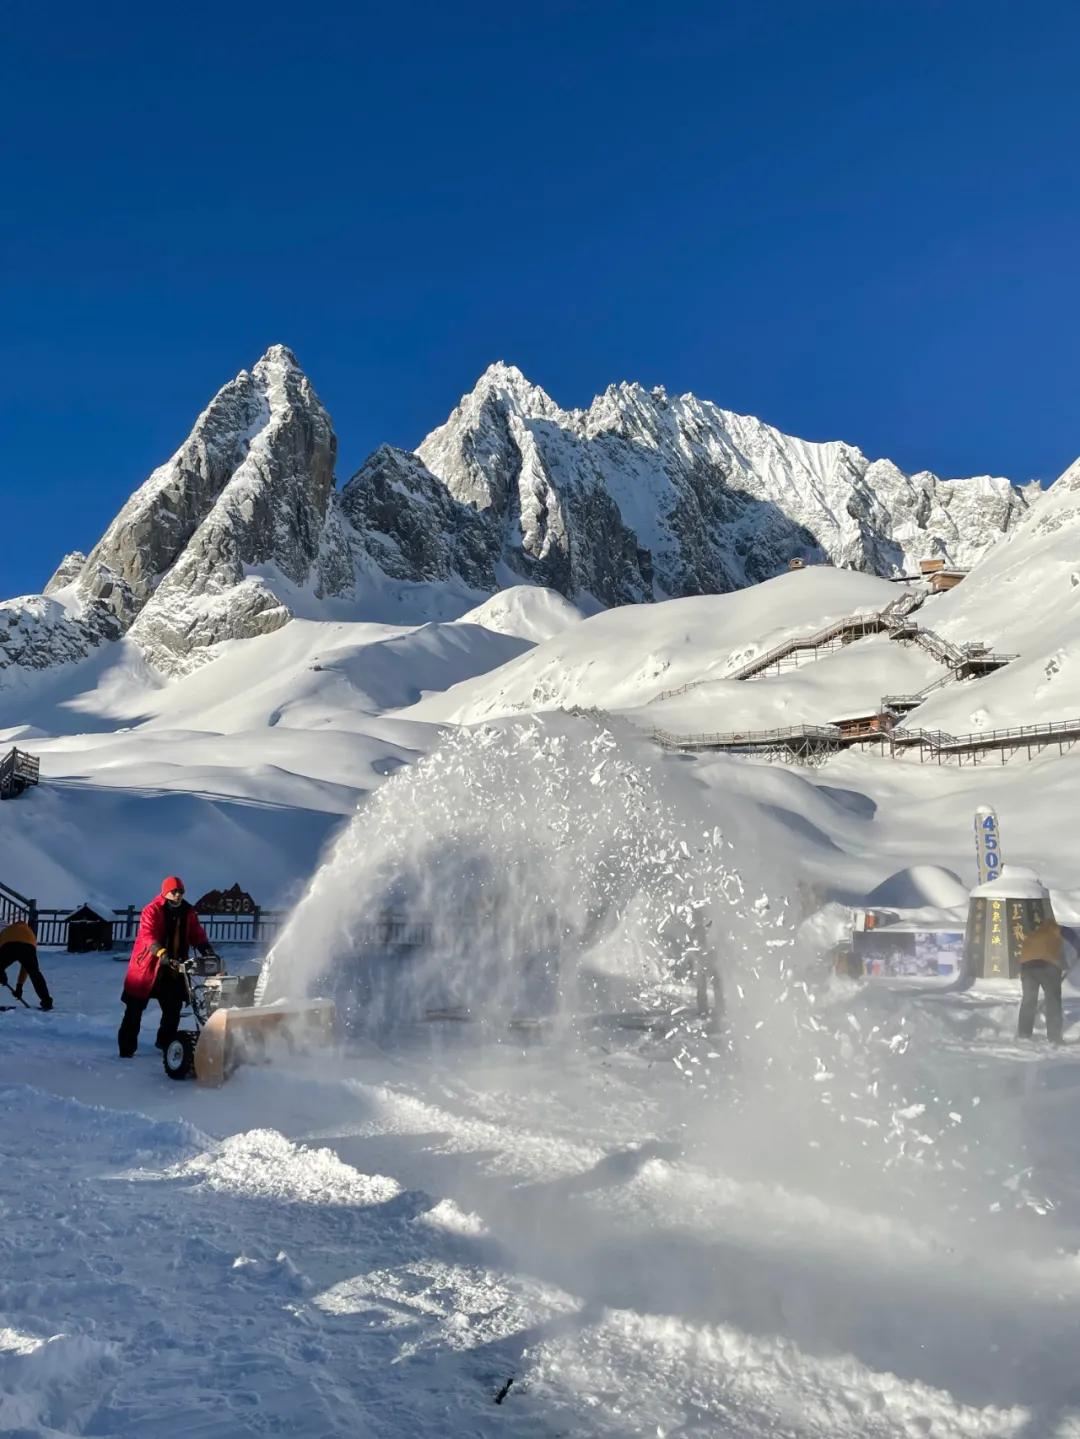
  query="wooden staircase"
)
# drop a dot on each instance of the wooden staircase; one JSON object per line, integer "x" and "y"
{"x": 18, "y": 772}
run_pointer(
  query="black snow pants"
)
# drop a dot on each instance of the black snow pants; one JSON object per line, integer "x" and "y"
{"x": 14, "y": 955}
{"x": 1041, "y": 974}
{"x": 170, "y": 993}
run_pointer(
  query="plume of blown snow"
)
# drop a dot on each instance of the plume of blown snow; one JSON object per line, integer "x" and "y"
{"x": 555, "y": 869}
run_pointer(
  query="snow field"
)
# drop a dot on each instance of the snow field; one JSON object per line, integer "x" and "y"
{"x": 846, "y": 1212}
{"x": 407, "y": 1232}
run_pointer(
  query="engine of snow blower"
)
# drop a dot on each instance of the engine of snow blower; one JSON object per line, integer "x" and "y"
{"x": 230, "y": 1029}
{"x": 208, "y": 987}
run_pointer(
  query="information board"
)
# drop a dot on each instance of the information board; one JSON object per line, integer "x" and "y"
{"x": 995, "y": 933}
{"x": 225, "y": 901}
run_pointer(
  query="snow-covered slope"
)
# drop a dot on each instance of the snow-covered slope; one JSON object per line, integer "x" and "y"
{"x": 1023, "y": 599}
{"x": 623, "y": 658}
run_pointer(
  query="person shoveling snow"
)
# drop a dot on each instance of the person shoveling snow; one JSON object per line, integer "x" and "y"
{"x": 168, "y": 930}
{"x": 18, "y": 945}
{"x": 1042, "y": 966}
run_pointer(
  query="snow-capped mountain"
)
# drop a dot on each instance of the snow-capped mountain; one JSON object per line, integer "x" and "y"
{"x": 252, "y": 487}
{"x": 640, "y": 497}
{"x": 646, "y": 496}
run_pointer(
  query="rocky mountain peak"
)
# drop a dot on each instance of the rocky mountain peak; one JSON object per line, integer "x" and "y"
{"x": 644, "y": 496}
{"x": 250, "y": 488}
{"x": 640, "y": 496}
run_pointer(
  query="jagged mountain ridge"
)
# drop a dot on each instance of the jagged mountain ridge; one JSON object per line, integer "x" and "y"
{"x": 640, "y": 497}
{"x": 704, "y": 500}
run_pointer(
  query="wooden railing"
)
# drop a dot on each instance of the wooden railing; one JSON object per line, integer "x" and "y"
{"x": 390, "y": 929}
{"x": 13, "y": 905}
{"x": 18, "y": 771}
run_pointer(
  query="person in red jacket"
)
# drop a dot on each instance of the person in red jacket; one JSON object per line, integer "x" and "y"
{"x": 168, "y": 929}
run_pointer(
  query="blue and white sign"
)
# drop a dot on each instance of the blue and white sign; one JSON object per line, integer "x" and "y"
{"x": 987, "y": 844}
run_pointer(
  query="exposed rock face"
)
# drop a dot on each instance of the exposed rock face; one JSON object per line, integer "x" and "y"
{"x": 270, "y": 510}
{"x": 150, "y": 533}
{"x": 69, "y": 569}
{"x": 643, "y": 496}
{"x": 639, "y": 497}
{"x": 250, "y": 490}
{"x": 37, "y": 632}
{"x": 410, "y": 524}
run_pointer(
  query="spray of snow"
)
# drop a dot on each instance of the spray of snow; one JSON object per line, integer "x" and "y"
{"x": 556, "y": 869}
{"x": 568, "y": 874}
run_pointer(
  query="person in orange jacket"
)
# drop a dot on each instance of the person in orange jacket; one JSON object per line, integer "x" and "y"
{"x": 168, "y": 929}
{"x": 1042, "y": 966}
{"x": 18, "y": 945}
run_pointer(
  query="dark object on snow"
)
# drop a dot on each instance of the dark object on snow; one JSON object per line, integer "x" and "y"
{"x": 168, "y": 930}
{"x": 18, "y": 771}
{"x": 171, "y": 993}
{"x": 1044, "y": 974}
{"x": 88, "y": 931}
{"x": 1043, "y": 944}
{"x": 504, "y": 1391}
{"x": 18, "y": 945}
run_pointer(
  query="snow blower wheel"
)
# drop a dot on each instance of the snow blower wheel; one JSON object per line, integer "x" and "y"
{"x": 178, "y": 1056}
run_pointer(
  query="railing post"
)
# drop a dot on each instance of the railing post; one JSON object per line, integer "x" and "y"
{"x": 256, "y": 915}
{"x": 129, "y": 932}
{"x": 32, "y": 915}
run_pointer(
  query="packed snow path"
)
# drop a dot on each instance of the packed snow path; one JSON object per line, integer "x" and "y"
{"x": 376, "y": 1246}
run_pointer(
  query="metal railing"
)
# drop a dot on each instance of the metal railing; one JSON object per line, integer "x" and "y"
{"x": 793, "y": 735}
{"x": 986, "y": 661}
{"x": 845, "y": 631}
{"x": 1009, "y": 736}
{"x": 893, "y": 620}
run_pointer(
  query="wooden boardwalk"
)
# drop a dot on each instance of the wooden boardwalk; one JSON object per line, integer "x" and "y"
{"x": 810, "y": 744}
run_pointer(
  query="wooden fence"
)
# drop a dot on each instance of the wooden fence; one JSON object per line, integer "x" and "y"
{"x": 389, "y": 929}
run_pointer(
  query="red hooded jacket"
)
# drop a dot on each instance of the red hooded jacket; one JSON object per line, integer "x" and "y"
{"x": 143, "y": 965}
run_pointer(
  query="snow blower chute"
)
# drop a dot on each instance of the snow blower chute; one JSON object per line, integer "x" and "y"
{"x": 230, "y": 1030}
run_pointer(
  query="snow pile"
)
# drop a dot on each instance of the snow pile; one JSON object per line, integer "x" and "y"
{"x": 527, "y": 611}
{"x": 265, "y": 1165}
{"x": 922, "y": 886}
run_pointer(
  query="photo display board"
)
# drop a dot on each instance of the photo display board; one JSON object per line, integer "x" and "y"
{"x": 909, "y": 953}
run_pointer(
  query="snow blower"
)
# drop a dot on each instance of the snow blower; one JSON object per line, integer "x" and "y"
{"x": 230, "y": 1030}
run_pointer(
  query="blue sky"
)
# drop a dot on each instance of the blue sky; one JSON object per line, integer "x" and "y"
{"x": 858, "y": 219}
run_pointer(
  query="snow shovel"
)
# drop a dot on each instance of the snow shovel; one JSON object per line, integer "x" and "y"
{"x": 17, "y": 996}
